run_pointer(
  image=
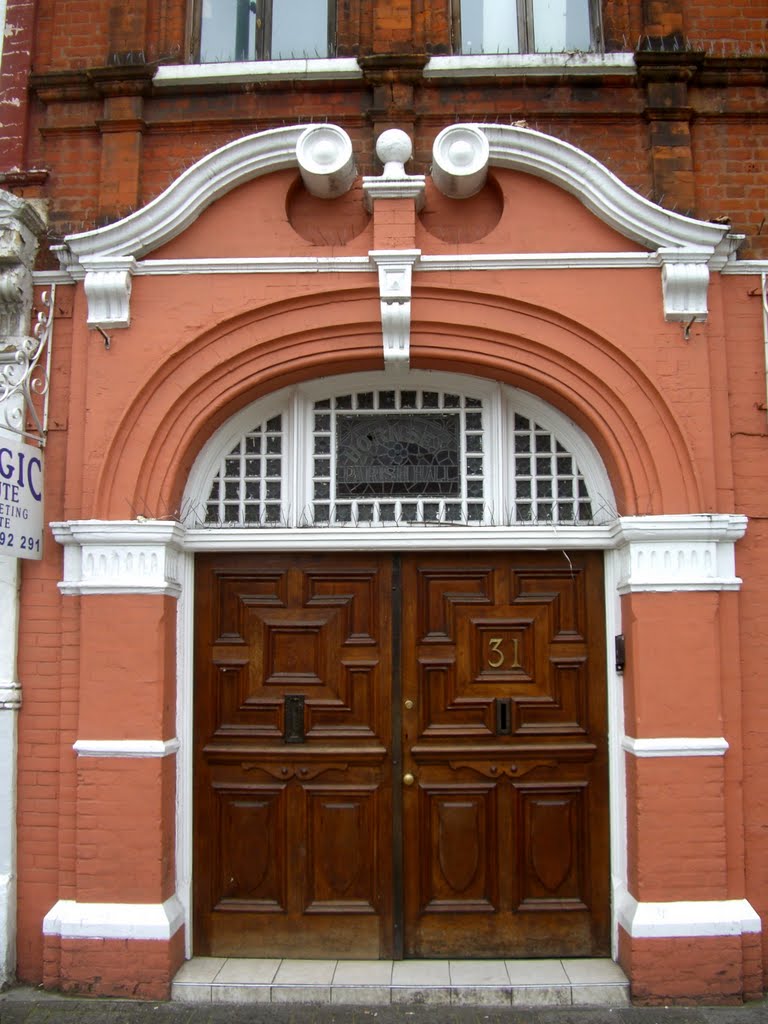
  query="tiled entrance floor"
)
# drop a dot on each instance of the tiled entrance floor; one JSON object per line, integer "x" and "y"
{"x": 380, "y": 982}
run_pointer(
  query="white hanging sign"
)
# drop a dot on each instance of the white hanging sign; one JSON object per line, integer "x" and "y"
{"x": 21, "y": 499}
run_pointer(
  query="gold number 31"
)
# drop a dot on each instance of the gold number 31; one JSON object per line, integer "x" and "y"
{"x": 496, "y": 656}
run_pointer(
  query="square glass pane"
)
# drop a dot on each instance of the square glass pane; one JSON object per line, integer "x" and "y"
{"x": 273, "y": 467}
{"x": 430, "y": 400}
{"x": 474, "y": 466}
{"x": 252, "y": 513}
{"x": 387, "y": 513}
{"x": 365, "y": 400}
{"x": 253, "y": 444}
{"x": 322, "y": 467}
{"x": 408, "y": 512}
{"x": 474, "y": 421}
{"x": 321, "y": 513}
{"x": 386, "y": 399}
{"x": 273, "y": 490}
{"x": 543, "y": 443}
{"x": 322, "y": 421}
{"x": 343, "y": 514}
{"x": 252, "y": 467}
{"x": 232, "y": 490}
{"x": 274, "y": 444}
{"x": 299, "y": 29}
{"x": 252, "y": 490}
{"x": 489, "y": 26}
{"x": 523, "y": 512}
{"x": 227, "y": 31}
{"x": 408, "y": 400}
{"x": 232, "y": 467}
{"x": 522, "y": 467}
{"x": 344, "y": 402}
{"x": 475, "y": 511}
{"x": 451, "y": 402}
{"x": 561, "y": 26}
{"x": 273, "y": 514}
{"x": 565, "y": 511}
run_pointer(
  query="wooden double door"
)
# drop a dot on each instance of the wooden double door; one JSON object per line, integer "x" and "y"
{"x": 401, "y": 756}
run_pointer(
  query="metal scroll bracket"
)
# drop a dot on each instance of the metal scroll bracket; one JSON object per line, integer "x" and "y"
{"x": 25, "y": 374}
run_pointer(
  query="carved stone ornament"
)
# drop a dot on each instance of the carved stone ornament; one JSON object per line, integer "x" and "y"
{"x": 326, "y": 161}
{"x": 108, "y": 290}
{"x": 460, "y": 161}
{"x": 685, "y": 281}
{"x": 395, "y": 275}
{"x": 394, "y": 149}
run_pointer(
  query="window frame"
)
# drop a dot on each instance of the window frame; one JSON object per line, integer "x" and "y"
{"x": 263, "y": 34}
{"x": 526, "y": 28}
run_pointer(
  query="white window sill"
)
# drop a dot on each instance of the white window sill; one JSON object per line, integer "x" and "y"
{"x": 497, "y": 64}
{"x": 315, "y": 69}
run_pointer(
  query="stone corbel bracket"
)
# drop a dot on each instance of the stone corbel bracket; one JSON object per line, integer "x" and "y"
{"x": 395, "y": 277}
{"x": 684, "y": 282}
{"x": 107, "y": 285}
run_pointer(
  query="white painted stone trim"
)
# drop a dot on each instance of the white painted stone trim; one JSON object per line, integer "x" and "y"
{"x": 757, "y": 267}
{"x": 489, "y": 65}
{"x": 685, "y": 281}
{"x": 108, "y": 290}
{"x": 679, "y": 553}
{"x": 554, "y": 160}
{"x": 326, "y": 161}
{"x": 186, "y": 197}
{"x": 676, "y": 746}
{"x": 395, "y": 276}
{"x": 684, "y": 919}
{"x": 133, "y": 557}
{"x": 125, "y": 748}
{"x": 460, "y": 155}
{"x": 72, "y": 920}
{"x": 315, "y": 69}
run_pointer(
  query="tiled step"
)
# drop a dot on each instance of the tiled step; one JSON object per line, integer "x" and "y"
{"x": 422, "y": 982}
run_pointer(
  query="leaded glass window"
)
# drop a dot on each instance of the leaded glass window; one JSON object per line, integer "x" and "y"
{"x": 398, "y": 456}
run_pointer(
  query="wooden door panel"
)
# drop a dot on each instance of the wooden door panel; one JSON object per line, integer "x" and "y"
{"x": 506, "y": 675}
{"x": 293, "y": 819}
{"x": 552, "y": 847}
{"x": 459, "y": 830}
{"x": 343, "y": 829}
{"x": 251, "y": 821}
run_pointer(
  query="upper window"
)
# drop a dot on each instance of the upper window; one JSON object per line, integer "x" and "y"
{"x": 525, "y": 26}
{"x": 244, "y": 30}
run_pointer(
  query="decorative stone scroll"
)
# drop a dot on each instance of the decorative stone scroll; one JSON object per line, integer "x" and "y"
{"x": 326, "y": 162}
{"x": 460, "y": 161}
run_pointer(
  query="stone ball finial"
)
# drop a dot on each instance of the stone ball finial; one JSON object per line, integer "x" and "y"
{"x": 394, "y": 149}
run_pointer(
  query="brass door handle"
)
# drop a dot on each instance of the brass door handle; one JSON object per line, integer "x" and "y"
{"x": 408, "y": 779}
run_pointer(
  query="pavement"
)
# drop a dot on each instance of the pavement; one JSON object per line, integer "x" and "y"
{"x": 32, "y": 1006}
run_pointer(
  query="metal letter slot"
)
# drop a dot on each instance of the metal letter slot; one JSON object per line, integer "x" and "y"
{"x": 503, "y": 716}
{"x": 293, "y": 718}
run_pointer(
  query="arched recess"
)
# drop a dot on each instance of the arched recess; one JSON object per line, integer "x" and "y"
{"x": 584, "y": 375}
